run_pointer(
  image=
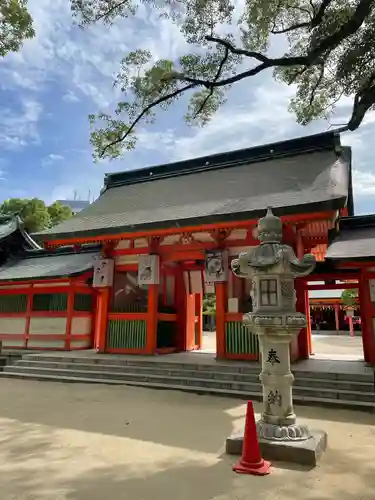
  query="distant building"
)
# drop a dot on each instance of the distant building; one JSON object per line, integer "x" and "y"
{"x": 75, "y": 205}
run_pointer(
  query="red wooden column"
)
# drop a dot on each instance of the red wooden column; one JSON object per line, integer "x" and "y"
{"x": 102, "y": 306}
{"x": 303, "y": 307}
{"x": 69, "y": 319}
{"x": 190, "y": 321}
{"x": 152, "y": 319}
{"x": 181, "y": 306}
{"x": 308, "y": 319}
{"x": 337, "y": 318}
{"x": 221, "y": 309}
{"x": 199, "y": 317}
{"x": 367, "y": 310}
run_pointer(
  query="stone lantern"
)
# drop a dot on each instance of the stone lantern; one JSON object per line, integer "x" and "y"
{"x": 273, "y": 267}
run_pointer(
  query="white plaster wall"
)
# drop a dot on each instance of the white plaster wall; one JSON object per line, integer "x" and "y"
{"x": 12, "y": 325}
{"x": 81, "y": 326}
{"x": 123, "y": 244}
{"x": 126, "y": 259}
{"x": 141, "y": 243}
{"x": 76, "y": 344}
{"x": 13, "y": 343}
{"x": 40, "y": 344}
{"x": 52, "y": 326}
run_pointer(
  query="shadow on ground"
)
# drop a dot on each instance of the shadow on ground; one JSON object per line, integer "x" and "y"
{"x": 170, "y": 418}
{"x": 344, "y": 477}
{"x": 85, "y": 442}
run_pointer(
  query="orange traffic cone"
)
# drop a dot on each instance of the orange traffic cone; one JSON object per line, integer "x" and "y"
{"x": 251, "y": 461}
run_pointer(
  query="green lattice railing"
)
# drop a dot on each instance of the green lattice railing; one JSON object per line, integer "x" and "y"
{"x": 126, "y": 334}
{"x": 83, "y": 302}
{"x": 13, "y": 303}
{"x": 131, "y": 307}
{"x": 51, "y": 302}
{"x": 239, "y": 340}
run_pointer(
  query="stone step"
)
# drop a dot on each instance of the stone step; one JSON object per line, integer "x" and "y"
{"x": 140, "y": 377}
{"x": 160, "y": 369}
{"x": 250, "y": 368}
{"x": 308, "y": 400}
{"x": 113, "y": 360}
{"x": 156, "y": 369}
{"x": 228, "y": 385}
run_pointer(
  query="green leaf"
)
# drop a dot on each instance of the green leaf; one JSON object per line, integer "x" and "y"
{"x": 35, "y": 214}
{"x": 324, "y": 48}
{"x": 16, "y": 25}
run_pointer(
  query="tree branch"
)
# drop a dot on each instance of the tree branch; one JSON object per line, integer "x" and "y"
{"x": 107, "y": 12}
{"x": 362, "y": 104}
{"x": 236, "y": 50}
{"x": 218, "y": 73}
{"x": 315, "y": 21}
{"x": 316, "y": 86}
{"x": 162, "y": 99}
{"x": 291, "y": 28}
{"x": 318, "y": 17}
{"x": 349, "y": 28}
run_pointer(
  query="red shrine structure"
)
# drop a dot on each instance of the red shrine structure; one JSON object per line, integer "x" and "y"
{"x": 127, "y": 274}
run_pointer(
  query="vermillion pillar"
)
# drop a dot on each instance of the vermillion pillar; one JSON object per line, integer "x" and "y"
{"x": 367, "y": 328}
{"x": 337, "y": 318}
{"x": 199, "y": 319}
{"x": 302, "y": 306}
{"x": 152, "y": 318}
{"x": 221, "y": 302}
{"x": 102, "y": 306}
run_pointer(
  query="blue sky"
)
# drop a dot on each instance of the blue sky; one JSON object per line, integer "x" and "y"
{"x": 57, "y": 79}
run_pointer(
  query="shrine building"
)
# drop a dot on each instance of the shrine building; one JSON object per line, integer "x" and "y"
{"x": 127, "y": 274}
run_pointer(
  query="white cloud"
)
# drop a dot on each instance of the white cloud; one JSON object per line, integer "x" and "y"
{"x": 54, "y": 157}
{"x": 86, "y": 61}
{"x": 51, "y": 159}
{"x": 18, "y": 128}
{"x": 364, "y": 183}
{"x": 70, "y": 96}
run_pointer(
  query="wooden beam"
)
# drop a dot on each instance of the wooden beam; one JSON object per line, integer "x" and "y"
{"x": 289, "y": 219}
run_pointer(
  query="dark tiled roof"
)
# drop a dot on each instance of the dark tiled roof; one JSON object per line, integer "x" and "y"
{"x": 12, "y": 225}
{"x": 356, "y": 239}
{"x": 309, "y": 176}
{"x": 47, "y": 266}
{"x": 8, "y": 225}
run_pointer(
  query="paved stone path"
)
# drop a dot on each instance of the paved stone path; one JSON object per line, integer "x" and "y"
{"x": 325, "y": 346}
{"x": 92, "y": 442}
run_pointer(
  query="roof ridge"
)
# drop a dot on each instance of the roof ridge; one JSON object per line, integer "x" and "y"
{"x": 290, "y": 147}
{"x": 57, "y": 252}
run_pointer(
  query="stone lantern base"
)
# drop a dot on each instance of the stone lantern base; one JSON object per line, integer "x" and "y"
{"x": 304, "y": 452}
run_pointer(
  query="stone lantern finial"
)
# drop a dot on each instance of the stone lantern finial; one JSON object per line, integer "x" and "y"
{"x": 270, "y": 228}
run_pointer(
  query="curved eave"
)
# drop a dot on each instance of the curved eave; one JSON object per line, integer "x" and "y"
{"x": 322, "y": 210}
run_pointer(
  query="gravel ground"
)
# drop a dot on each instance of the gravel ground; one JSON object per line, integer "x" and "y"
{"x": 95, "y": 442}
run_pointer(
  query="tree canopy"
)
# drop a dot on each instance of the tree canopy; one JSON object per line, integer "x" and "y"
{"x": 15, "y": 25}
{"x": 36, "y": 215}
{"x": 209, "y": 304}
{"x": 325, "y": 48}
{"x": 349, "y": 297}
